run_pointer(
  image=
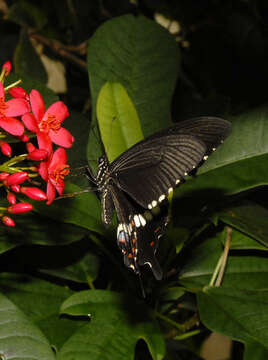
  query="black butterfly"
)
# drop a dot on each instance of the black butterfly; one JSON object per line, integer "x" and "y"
{"x": 140, "y": 179}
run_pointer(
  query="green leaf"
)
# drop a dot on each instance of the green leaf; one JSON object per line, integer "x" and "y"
{"x": 118, "y": 52}
{"x": 239, "y": 314}
{"x": 118, "y": 120}
{"x": 40, "y": 301}
{"x": 35, "y": 229}
{"x": 254, "y": 350}
{"x": 82, "y": 210}
{"x": 240, "y": 241}
{"x": 85, "y": 270}
{"x": 27, "y": 61}
{"x": 240, "y": 163}
{"x": 26, "y": 14}
{"x": 117, "y": 323}
{"x": 20, "y": 339}
{"x": 242, "y": 272}
{"x": 249, "y": 218}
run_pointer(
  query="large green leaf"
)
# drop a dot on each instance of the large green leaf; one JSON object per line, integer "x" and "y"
{"x": 249, "y": 218}
{"x": 240, "y": 163}
{"x": 146, "y": 66}
{"x": 20, "y": 339}
{"x": 239, "y": 314}
{"x": 118, "y": 120}
{"x": 35, "y": 229}
{"x": 242, "y": 272}
{"x": 240, "y": 241}
{"x": 40, "y": 301}
{"x": 117, "y": 323}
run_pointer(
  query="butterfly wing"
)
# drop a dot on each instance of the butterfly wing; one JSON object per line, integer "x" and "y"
{"x": 149, "y": 170}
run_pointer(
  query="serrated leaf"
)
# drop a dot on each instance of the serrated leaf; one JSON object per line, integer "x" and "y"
{"x": 117, "y": 322}
{"x": 118, "y": 52}
{"x": 118, "y": 120}
{"x": 20, "y": 339}
{"x": 239, "y": 314}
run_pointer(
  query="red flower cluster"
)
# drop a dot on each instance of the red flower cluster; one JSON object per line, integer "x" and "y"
{"x": 28, "y": 111}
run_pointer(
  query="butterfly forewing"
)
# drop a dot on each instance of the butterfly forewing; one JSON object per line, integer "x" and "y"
{"x": 156, "y": 166}
{"x": 142, "y": 177}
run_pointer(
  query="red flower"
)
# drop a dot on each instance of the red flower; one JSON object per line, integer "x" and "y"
{"x": 34, "y": 193}
{"x": 53, "y": 172}
{"x": 5, "y": 148}
{"x": 37, "y": 155}
{"x": 47, "y": 124}
{"x": 6, "y": 67}
{"x": 16, "y": 179}
{"x": 11, "y": 198}
{"x": 18, "y": 92}
{"x": 10, "y": 108}
{"x": 6, "y": 220}
{"x": 20, "y": 208}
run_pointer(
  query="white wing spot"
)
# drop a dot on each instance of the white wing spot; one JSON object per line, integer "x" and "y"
{"x": 213, "y": 149}
{"x": 142, "y": 220}
{"x": 170, "y": 190}
{"x": 205, "y": 157}
{"x": 161, "y": 198}
{"x": 137, "y": 221}
{"x": 150, "y": 206}
{"x": 178, "y": 181}
{"x": 185, "y": 174}
{"x": 154, "y": 203}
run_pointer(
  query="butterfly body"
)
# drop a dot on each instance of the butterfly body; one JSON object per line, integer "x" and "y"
{"x": 140, "y": 180}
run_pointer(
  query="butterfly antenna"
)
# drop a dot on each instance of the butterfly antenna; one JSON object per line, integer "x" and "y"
{"x": 141, "y": 285}
{"x": 65, "y": 196}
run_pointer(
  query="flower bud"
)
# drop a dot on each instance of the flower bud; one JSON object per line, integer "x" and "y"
{"x": 30, "y": 147}
{"x": 5, "y": 148}
{"x": 17, "y": 178}
{"x": 20, "y": 208}
{"x": 4, "y": 175}
{"x": 15, "y": 188}
{"x": 24, "y": 138}
{"x": 11, "y": 198}
{"x": 6, "y": 220}
{"x": 17, "y": 92}
{"x": 6, "y": 67}
{"x": 37, "y": 155}
{"x": 34, "y": 193}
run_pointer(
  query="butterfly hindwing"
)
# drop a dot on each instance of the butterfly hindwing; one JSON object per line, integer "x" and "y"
{"x": 142, "y": 177}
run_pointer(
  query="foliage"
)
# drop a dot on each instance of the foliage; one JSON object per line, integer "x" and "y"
{"x": 65, "y": 293}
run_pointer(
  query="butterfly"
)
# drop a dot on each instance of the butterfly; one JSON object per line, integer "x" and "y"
{"x": 137, "y": 184}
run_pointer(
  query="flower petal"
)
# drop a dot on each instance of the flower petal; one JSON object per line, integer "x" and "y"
{"x": 51, "y": 192}
{"x": 17, "y": 107}
{"x": 30, "y": 122}
{"x": 59, "y": 110}
{"x": 2, "y": 91}
{"x": 60, "y": 187}
{"x": 44, "y": 142}
{"x": 62, "y": 137}
{"x": 59, "y": 157}
{"x": 12, "y": 126}
{"x": 37, "y": 104}
{"x": 43, "y": 170}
